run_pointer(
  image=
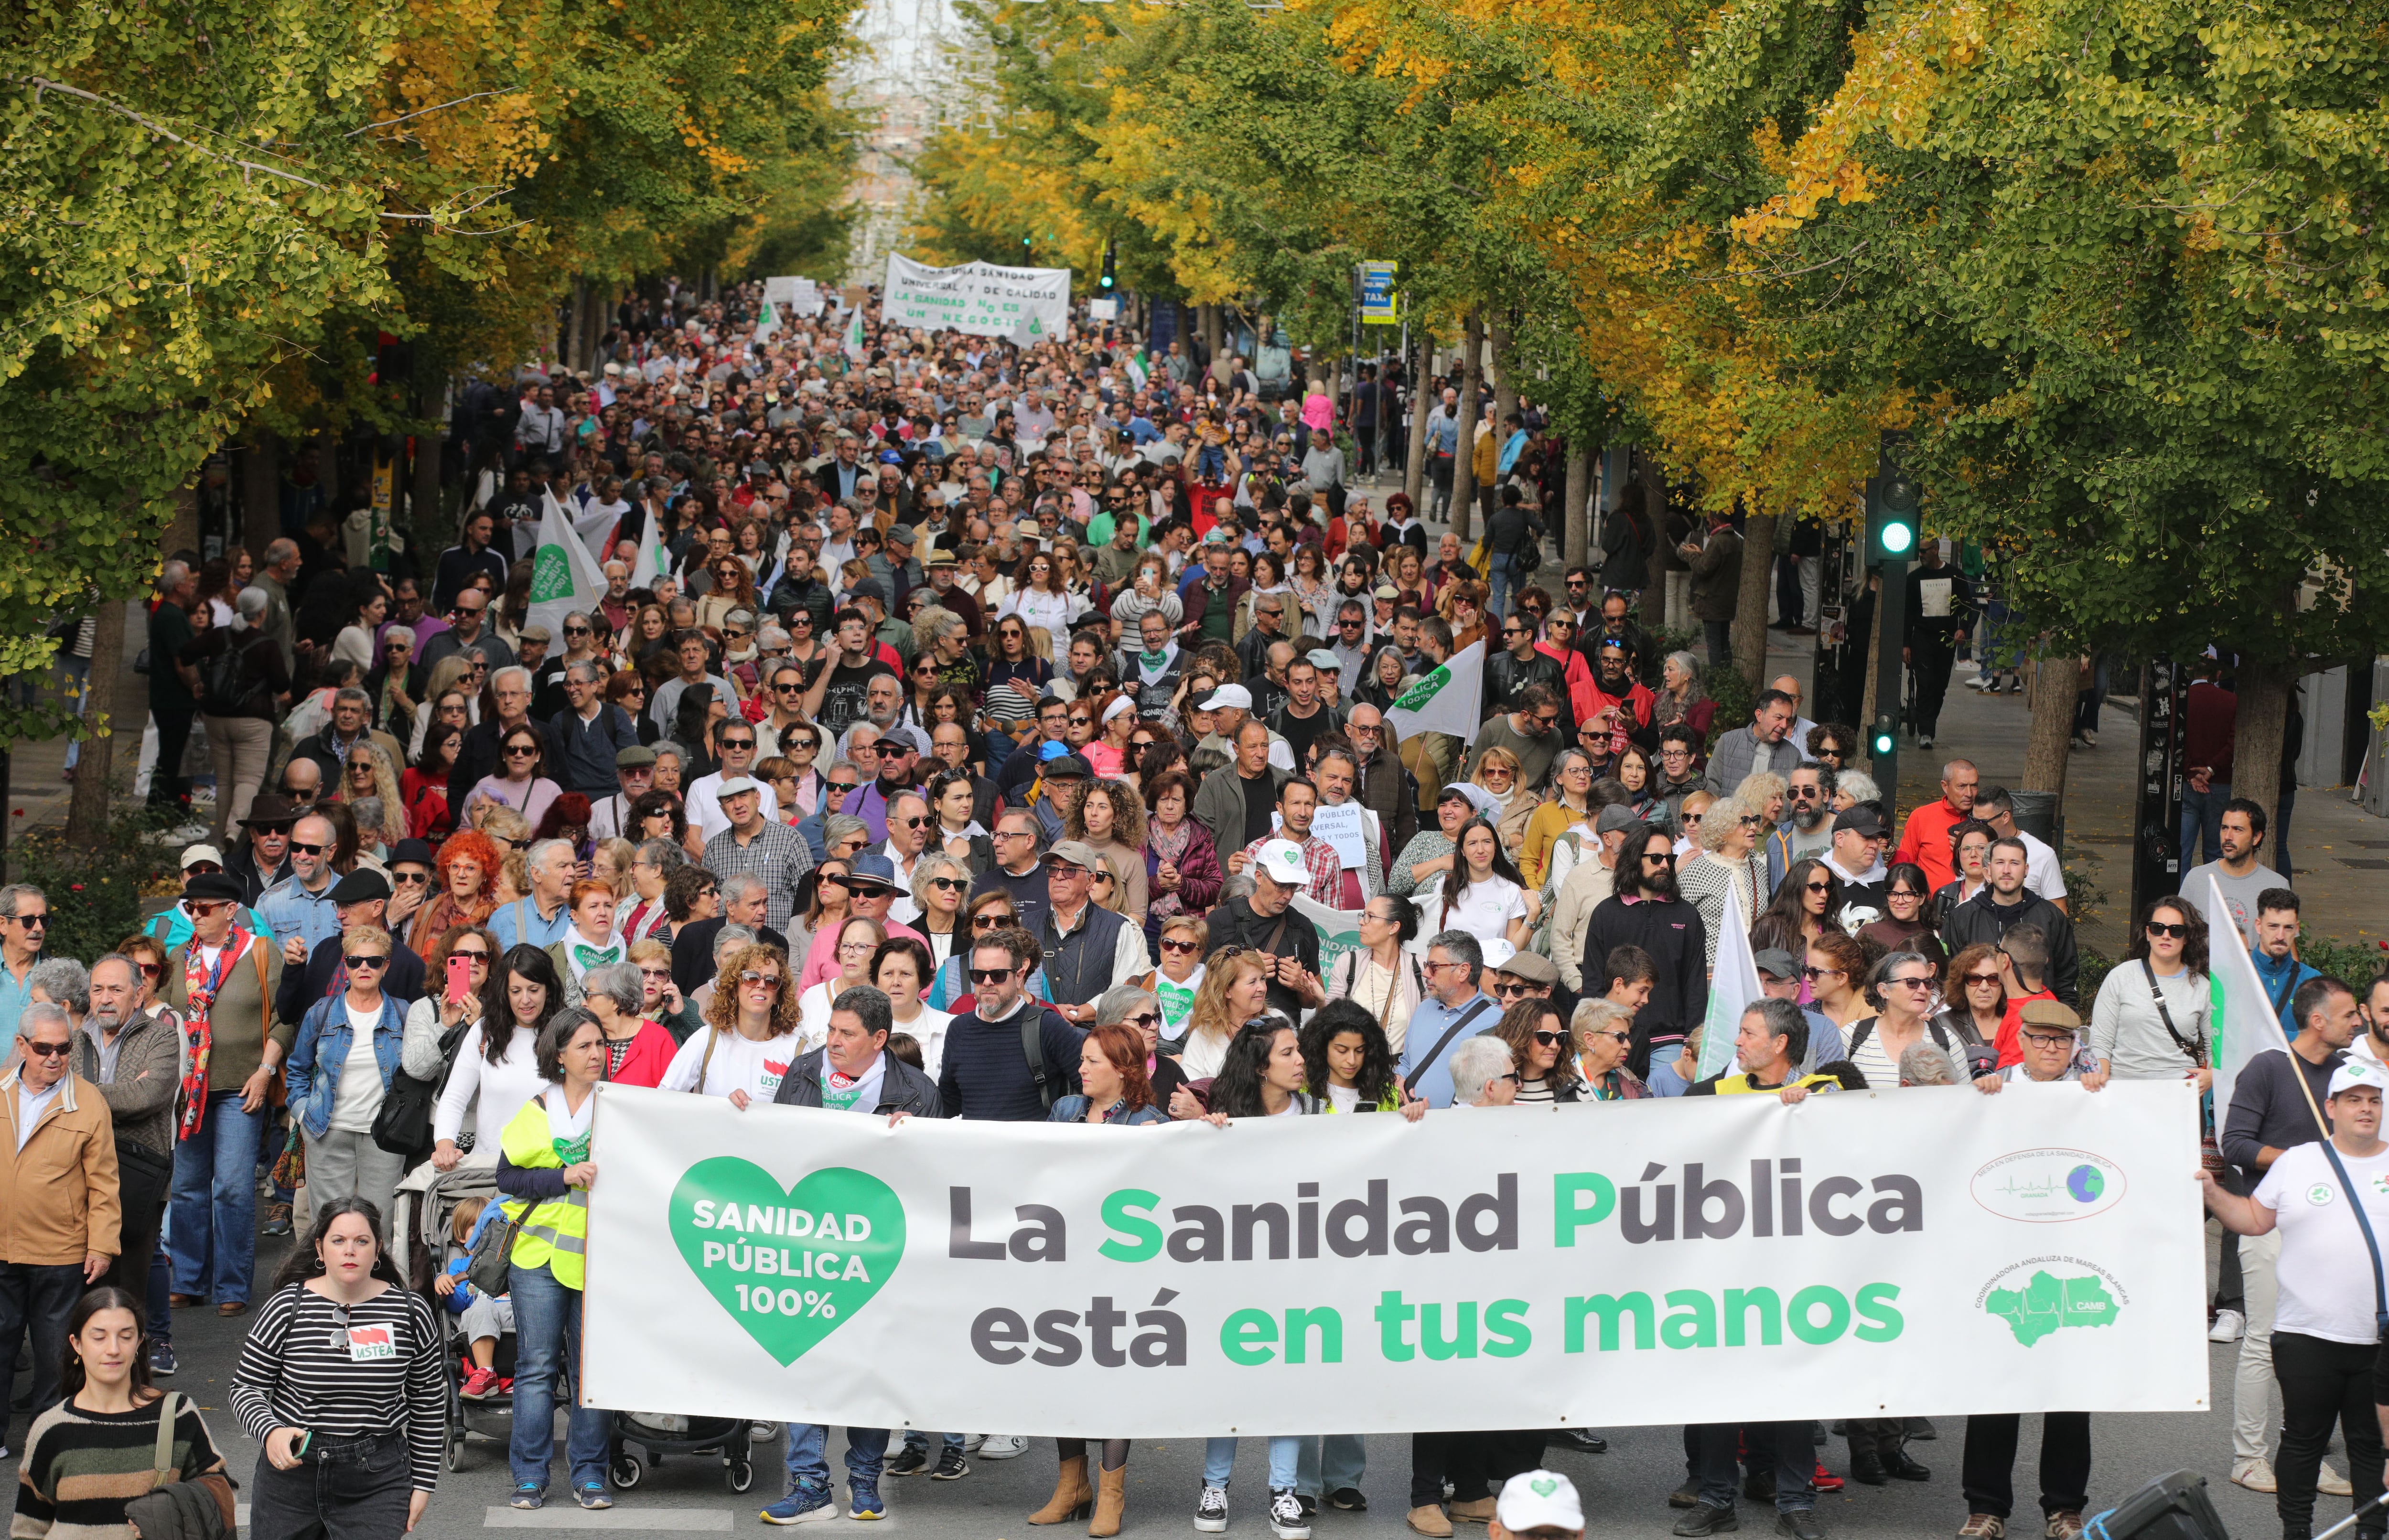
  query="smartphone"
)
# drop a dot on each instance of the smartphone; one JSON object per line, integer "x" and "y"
{"x": 299, "y": 1446}
{"x": 460, "y": 978}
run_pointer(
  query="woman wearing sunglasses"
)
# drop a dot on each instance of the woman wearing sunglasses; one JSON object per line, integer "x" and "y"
{"x": 1017, "y": 675}
{"x": 520, "y": 782}
{"x": 750, "y": 1030}
{"x": 480, "y": 1042}
{"x": 1978, "y": 994}
{"x": 1604, "y": 1030}
{"x": 1542, "y": 1070}
{"x": 335, "y": 1087}
{"x": 2149, "y": 1020}
{"x": 1801, "y": 910}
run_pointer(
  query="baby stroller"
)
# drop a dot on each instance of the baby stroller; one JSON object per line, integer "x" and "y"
{"x": 427, "y": 1208}
{"x": 658, "y": 1433}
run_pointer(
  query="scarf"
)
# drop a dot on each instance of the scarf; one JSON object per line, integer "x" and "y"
{"x": 1170, "y": 845}
{"x": 1153, "y": 666}
{"x": 201, "y": 985}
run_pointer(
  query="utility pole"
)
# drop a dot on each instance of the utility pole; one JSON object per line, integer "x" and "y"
{"x": 1890, "y": 545}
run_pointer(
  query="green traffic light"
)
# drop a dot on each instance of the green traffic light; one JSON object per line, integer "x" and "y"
{"x": 1883, "y": 742}
{"x": 1897, "y": 537}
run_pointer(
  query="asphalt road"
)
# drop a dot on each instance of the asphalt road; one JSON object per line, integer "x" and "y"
{"x": 1625, "y": 1491}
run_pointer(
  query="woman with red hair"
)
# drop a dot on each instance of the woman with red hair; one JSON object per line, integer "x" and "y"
{"x": 469, "y": 865}
{"x": 1401, "y": 526}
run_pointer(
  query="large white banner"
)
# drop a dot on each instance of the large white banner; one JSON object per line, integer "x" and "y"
{"x": 1928, "y": 1252}
{"x": 1032, "y": 303}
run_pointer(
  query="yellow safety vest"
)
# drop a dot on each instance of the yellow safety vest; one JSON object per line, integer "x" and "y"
{"x": 556, "y": 1232}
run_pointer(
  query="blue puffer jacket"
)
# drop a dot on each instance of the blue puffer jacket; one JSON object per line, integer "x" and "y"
{"x": 320, "y": 1051}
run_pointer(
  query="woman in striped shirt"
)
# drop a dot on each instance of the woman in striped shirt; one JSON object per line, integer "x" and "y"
{"x": 341, "y": 1381}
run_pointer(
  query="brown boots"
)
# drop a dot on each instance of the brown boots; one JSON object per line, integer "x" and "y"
{"x": 1110, "y": 1500}
{"x": 1072, "y": 1496}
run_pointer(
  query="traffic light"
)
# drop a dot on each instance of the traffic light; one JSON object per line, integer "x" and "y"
{"x": 1891, "y": 514}
{"x": 1028, "y": 256}
{"x": 1886, "y": 735}
{"x": 1110, "y": 279}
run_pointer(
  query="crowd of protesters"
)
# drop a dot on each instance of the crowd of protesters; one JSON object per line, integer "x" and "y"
{"x": 971, "y": 729}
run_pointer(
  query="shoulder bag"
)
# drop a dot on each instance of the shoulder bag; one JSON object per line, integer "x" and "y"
{"x": 2210, "y": 1151}
{"x": 402, "y": 1126}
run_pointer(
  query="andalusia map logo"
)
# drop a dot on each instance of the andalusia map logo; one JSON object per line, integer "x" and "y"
{"x": 2043, "y": 1295}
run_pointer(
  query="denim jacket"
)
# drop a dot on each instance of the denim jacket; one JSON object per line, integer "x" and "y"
{"x": 320, "y": 1051}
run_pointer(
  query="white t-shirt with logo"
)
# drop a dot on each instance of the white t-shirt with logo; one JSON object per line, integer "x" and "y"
{"x": 2325, "y": 1268}
{"x": 739, "y": 1064}
{"x": 1485, "y": 909}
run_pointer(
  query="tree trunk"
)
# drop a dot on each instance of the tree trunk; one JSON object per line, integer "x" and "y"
{"x": 88, "y": 809}
{"x": 1661, "y": 557}
{"x": 1463, "y": 454}
{"x": 2263, "y": 715}
{"x": 1874, "y": 664}
{"x": 261, "y": 492}
{"x": 1750, "y": 603}
{"x": 2051, "y": 735}
{"x": 1414, "y": 465}
{"x": 1505, "y": 379}
{"x": 1575, "y": 534}
{"x": 422, "y": 521}
{"x": 1206, "y": 320}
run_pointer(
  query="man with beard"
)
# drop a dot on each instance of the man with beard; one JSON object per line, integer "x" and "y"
{"x": 1616, "y": 622}
{"x": 1153, "y": 672}
{"x": 839, "y": 693}
{"x": 942, "y": 565}
{"x": 1519, "y": 664}
{"x": 1645, "y": 911}
{"x": 1805, "y": 831}
{"x": 1616, "y": 689}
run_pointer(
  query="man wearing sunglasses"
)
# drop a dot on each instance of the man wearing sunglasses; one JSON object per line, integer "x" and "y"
{"x": 1646, "y": 911}
{"x": 263, "y": 856}
{"x": 1009, "y": 1057}
{"x": 467, "y": 631}
{"x": 1519, "y": 664}
{"x": 24, "y": 927}
{"x": 360, "y": 898}
{"x": 298, "y": 909}
{"x": 58, "y": 1185}
{"x": 733, "y": 747}
{"x": 1805, "y": 831}
{"x": 752, "y": 844}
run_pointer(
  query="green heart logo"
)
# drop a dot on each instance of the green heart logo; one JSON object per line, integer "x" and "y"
{"x": 791, "y": 1265}
{"x": 1544, "y": 1485}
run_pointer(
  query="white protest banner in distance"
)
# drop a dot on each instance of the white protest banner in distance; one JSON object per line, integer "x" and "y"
{"x": 978, "y": 298}
{"x": 1692, "y": 1260}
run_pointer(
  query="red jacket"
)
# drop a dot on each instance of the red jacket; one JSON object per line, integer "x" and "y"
{"x": 651, "y": 1053}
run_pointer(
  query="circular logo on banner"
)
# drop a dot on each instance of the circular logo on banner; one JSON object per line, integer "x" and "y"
{"x": 2322, "y": 1194}
{"x": 2043, "y": 1187}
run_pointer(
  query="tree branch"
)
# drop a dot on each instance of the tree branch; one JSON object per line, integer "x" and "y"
{"x": 460, "y": 101}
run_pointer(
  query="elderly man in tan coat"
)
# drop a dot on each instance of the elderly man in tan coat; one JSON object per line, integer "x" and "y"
{"x": 58, "y": 1215}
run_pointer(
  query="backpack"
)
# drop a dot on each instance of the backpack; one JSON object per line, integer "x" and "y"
{"x": 226, "y": 682}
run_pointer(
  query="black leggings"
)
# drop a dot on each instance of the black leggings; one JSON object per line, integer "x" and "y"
{"x": 2324, "y": 1382}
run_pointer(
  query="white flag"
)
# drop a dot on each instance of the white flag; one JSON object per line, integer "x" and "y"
{"x": 651, "y": 562}
{"x": 564, "y": 577}
{"x": 1446, "y": 700}
{"x": 767, "y": 323}
{"x": 2241, "y": 1020}
{"x": 1733, "y": 988}
{"x": 854, "y": 349}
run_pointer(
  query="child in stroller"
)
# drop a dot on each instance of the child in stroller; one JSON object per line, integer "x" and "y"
{"x": 486, "y": 1317}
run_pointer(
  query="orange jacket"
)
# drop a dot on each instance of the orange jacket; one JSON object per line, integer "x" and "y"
{"x": 59, "y": 1194}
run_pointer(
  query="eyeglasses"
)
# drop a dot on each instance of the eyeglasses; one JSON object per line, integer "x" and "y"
{"x": 989, "y": 975}
{"x": 366, "y": 959}
{"x": 1511, "y": 990}
{"x": 991, "y": 922}
{"x": 1803, "y": 793}
{"x": 1922, "y": 981}
{"x": 1660, "y": 858}
{"x": 48, "y": 1050}
{"x": 1144, "y": 1019}
{"x": 649, "y": 973}
{"x": 1170, "y": 946}
{"x": 412, "y": 879}
{"x": 200, "y": 909}
{"x": 2158, "y": 927}
{"x": 737, "y": 743}
{"x": 1813, "y": 974}
{"x": 296, "y": 848}
{"x": 1551, "y": 1040}
{"x": 522, "y": 751}
{"x": 151, "y": 970}
{"x": 948, "y": 885}
{"x": 768, "y": 981}
{"x": 1818, "y": 888}
{"x": 1979, "y": 980}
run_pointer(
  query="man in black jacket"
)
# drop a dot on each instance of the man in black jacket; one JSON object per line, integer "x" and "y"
{"x": 1647, "y": 912}
{"x": 360, "y": 898}
{"x": 1519, "y": 664}
{"x": 2004, "y": 903}
{"x": 853, "y": 1070}
{"x": 1266, "y": 921}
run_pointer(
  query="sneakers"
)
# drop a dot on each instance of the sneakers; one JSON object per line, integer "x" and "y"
{"x": 2255, "y": 1473}
{"x": 864, "y": 1501}
{"x": 950, "y": 1467}
{"x": 278, "y": 1220}
{"x": 807, "y": 1504}
{"x": 2229, "y": 1326}
{"x": 1287, "y": 1521}
{"x": 971, "y": 1442}
{"x": 762, "y": 1432}
{"x": 530, "y": 1494}
{"x": 2064, "y": 1524}
{"x": 908, "y": 1461}
{"x": 1686, "y": 1496}
{"x": 161, "y": 1359}
{"x": 1985, "y": 1526}
{"x": 1583, "y": 1440}
{"x": 593, "y": 1495}
{"x": 481, "y": 1384}
{"x": 1429, "y": 1521}
{"x": 1799, "y": 1524}
{"x": 1924, "y": 740}
{"x": 1349, "y": 1498}
{"x": 1705, "y": 1519}
{"x": 1211, "y": 1510}
{"x": 1825, "y": 1480}
{"x": 2331, "y": 1484}
{"x": 1002, "y": 1447}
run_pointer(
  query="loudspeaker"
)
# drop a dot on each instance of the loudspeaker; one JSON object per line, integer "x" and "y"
{"x": 2173, "y": 1507}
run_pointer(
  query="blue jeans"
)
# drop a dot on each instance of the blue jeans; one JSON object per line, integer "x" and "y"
{"x": 809, "y": 1454}
{"x": 1501, "y": 580}
{"x": 2202, "y": 815}
{"x": 547, "y": 1338}
{"x": 1785, "y": 1445}
{"x": 1330, "y": 1463}
{"x": 918, "y": 1438}
{"x": 1211, "y": 460}
{"x": 1285, "y": 1460}
{"x": 214, "y": 1205}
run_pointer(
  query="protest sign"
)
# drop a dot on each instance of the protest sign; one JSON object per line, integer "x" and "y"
{"x": 1692, "y": 1260}
{"x": 977, "y": 298}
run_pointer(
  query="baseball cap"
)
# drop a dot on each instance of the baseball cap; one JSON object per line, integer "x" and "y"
{"x": 199, "y": 853}
{"x": 1775, "y": 963}
{"x": 637, "y": 756}
{"x": 1538, "y": 1499}
{"x": 1861, "y": 818}
{"x": 2354, "y": 1072}
{"x": 1065, "y": 766}
{"x": 1228, "y": 694}
{"x": 732, "y": 786}
{"x": 1071, "y": 852}
{"x": 872, "y": 588}
{"x": 360, "y": 886}
{"x": 901, "y": 534}
{"x": 1281, "y": 861}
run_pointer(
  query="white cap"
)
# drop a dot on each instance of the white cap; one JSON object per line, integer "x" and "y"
{"x": 1227, "y": 694}
{"x": 1281, "y": 861}
{"x": 733, "y": 784}
{"x": 2354, "y": 1072}
{"x": 199, "y": 853}
{"x": 1538, "y": 1499}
